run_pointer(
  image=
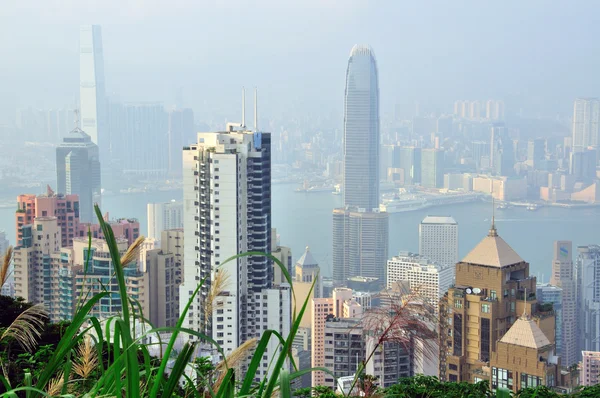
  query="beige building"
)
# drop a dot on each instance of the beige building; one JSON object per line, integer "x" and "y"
{"x": 322, "y": 308}
{"x": 492, "y": 288}
{"x": 284, "y": 255}
{"x": 590, "y": 368}
{"x": 306, "y": 271}
{"x": 344, "y": 347}
{"x": 524, "y": 358}
{"x": 163, "y": 276}
{"x": 32, "y": 259}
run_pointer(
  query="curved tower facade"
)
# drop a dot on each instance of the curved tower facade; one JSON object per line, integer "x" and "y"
{"x": 361, "y": 130}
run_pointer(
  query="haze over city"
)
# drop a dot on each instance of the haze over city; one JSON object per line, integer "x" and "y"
{"x": 421, "y": 179}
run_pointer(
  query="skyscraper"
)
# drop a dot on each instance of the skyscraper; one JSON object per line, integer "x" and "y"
{"x": 164, "y": 216}
{"x": 91, "y": 88}
{"x": 227, "y": 211}
{"x": 410, "y": 162}
{"x": 78, "y": 171}
{"x": 563, "y": 276}
{"x": 588, "y": 287}
{"x": 502, "y": 156}
{"x": 432, "y": 168}
{"x": 586, "y": 123}
{"x": 536, "y": 152}
{"x": 361, "y": 130}
{"x": 438, "y": 239}
{"x": 360, "y": 230}
{"x": 181, "y": 131}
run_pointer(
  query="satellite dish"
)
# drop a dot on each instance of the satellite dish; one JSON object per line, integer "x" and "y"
{"x": 468, "y": 290}
{"x": 476, "y": 290}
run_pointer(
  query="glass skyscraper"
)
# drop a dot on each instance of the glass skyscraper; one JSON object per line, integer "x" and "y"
{"x": 361, "y": 130}
{"x": 360, "y": 231}
{"x": 91, "y": 88}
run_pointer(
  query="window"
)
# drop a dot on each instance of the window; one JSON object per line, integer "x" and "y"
{"x": 458, "y": 303}
{"x": 485, "y": 308}
{"x": 493, "y": 295}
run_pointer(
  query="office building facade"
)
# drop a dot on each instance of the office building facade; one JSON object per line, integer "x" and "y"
{"x": 586, "y": 123}
{"x": 432, "y": 168}
{"x": 588, "y": 300}
{"x": 438, "y": 239}
{"x": 78, "y": 172}
{"x": 164, "y": 216}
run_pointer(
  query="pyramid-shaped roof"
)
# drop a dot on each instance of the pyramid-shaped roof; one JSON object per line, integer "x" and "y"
{"x": 493, "y": 251}
{"x": 307, "y": 260}
{"x": 526, "y": 333}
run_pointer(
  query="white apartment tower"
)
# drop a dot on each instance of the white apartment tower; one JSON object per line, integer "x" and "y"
{"x": 438, "y": 240}
{"x": 227, "y": 211}
{"x": 426, "y": 279}
{"x": 588, "y": 300}
{"x": 164, "y": 216}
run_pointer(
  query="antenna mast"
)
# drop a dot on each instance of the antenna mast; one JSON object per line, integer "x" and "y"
{"x": 76, "y": 117}
{"x": 255, "y": 109}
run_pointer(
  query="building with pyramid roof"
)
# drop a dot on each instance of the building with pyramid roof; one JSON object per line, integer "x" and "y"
{"x": 480, "y": 313}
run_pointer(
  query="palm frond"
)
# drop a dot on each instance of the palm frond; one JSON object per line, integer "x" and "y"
{"x": 27, "y": 328}
{"x": 235, "y": 359}
{"x": 133, "y": 253}
{"x": 7, "y": 258}
{"x": 87, "y": 359}
{"x": 218, "y": 285}
{"x": 55, "y": 386}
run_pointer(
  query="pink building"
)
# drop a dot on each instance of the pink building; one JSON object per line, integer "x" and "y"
{"x": 64, "y": 207}
{"x": 590, "y": 368}
{"x": 123, "y": 228}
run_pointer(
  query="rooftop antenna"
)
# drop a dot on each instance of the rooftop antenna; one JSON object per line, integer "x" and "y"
{"x": 243, "y": 106}
{"x": 493, "y": 231}
{"x": 76, "y": 117}
{"x": 255, "y": 109}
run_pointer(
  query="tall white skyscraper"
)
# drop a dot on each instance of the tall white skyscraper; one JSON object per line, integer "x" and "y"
{"x": 438, "y": 239}
{"x": 227, "y": 211}
{"x": 360, "y": 231}
{"x": 163, "y": 216}
{"x": 586, "y": 123}
{"x": 92, "y": 98}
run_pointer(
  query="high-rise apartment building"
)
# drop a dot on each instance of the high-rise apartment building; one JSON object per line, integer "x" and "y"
{"x": 164, "y": 216}
{"x": 492, "y": 289}
{"x": 432, "y": 168}
{"x": 322, "y": 309}
{"x": 428, "y": 280}
{"x": 588, "y": 300}
{"x": 563, "y": 276}
{"x": 181, "y": 132}
{"x": 360, "y": 231}
{"x": 92, "y": 95}
{"x": 163, "y": 270}
{"x": 586, "y": 123}
{"x": 344, "y": 347}
{"x": 64, "y": 207}
{"x": 590, "y": 368}
{"x": 78, "y": 171}
{"x": 494, "y": 109}
{"x": 582, "y": 165}
{"x": 227, "y": 211}
{"x": 33, "y": 258}
{"x": 438, "y": 239}
{"x": 390, "y": 362}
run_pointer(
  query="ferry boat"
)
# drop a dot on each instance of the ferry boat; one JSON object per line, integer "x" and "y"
{"x": 532, "y": 207}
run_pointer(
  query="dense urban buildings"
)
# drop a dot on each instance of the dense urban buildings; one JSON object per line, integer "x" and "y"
{"x": 360, "y": 231}
{"x": 494, "y": 299}
{"x": 163, "y": 216}
{"x": 438, "y": 239}
{"x": 78, "y": 171}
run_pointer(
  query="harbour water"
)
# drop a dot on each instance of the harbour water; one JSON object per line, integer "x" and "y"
{"x": 304, "y": 219}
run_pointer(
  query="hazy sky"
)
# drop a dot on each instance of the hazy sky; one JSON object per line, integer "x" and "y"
{"x": 539, "y": 53}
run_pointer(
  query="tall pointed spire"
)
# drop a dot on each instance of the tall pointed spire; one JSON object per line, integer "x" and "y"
{"x": 493, "y": 231}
